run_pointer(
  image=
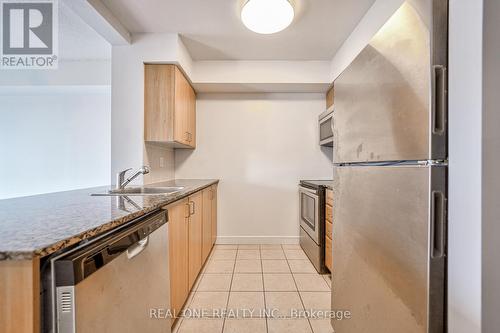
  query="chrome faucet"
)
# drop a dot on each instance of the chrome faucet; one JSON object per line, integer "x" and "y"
{"x": 121, "y": 182}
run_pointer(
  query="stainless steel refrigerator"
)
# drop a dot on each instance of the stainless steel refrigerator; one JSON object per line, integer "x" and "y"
{"x": 390, "y": 177}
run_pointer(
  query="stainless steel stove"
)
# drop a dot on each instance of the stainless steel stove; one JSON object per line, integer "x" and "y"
{"x": 312, "y": 220}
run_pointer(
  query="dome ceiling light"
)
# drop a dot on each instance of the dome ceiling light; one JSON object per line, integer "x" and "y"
{"x": 267, "y": 16}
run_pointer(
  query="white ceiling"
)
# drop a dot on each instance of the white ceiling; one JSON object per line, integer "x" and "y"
{"x": 212, "y": 30}
{"x": 78, "y": 41}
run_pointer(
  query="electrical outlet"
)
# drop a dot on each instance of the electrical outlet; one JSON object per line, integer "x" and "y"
{"x": 162, "y": 162}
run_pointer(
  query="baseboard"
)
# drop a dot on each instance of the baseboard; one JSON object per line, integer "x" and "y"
{"x": 257, "y": 240}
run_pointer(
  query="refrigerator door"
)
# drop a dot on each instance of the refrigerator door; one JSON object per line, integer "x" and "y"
{"x": 389, "y": 248}
{"x": 390, "y": 102}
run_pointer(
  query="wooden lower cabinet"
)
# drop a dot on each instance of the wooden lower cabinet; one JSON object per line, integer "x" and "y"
{"x": 207, "y": 223}
{"x": 195, "y": 236}
{"x": 214, "y": 213}
{"x": 190, "y": 236}
{"x": 20, "y": 296}
{"x": 328, "y": 228}
{"x": 209, "y": 219}
{"x": 329, "y": 213}
{"x": 328, "y": 253}
{"x": 178, "y": 214}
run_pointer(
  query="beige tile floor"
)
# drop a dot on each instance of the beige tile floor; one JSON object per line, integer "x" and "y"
{"x": 256, "y": 289}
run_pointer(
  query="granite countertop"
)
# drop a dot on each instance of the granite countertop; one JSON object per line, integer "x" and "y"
{"x": 43, "y": 224}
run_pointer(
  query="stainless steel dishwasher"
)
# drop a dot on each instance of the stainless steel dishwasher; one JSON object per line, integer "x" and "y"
{"x": 116, "y": 284}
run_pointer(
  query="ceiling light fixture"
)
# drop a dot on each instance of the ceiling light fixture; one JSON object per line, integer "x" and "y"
{"x": 267, "y": 16}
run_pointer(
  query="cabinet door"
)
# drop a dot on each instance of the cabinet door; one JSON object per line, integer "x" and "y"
{"x": 178, "y": 247}
{"x": 159, "y": 94}
{"x": 207, "y": 223}
{"x": 214, "y": 214}
{"x": 195, "y": 236}
{"x": 183, "y": 101}
{"x": 192, "y": 117}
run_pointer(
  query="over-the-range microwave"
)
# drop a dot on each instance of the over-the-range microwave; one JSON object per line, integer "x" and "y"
{"x": 326, "y": 128}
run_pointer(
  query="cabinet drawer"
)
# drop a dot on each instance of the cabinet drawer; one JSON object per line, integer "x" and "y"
{"x": 328, "y": 230}
{"x": 328, "y": 253}
{"x": 329, "y": 213}
{"x": 329, "y": 197}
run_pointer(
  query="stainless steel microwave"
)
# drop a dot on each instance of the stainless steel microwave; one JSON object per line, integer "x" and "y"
{"x": 326, "y": 127}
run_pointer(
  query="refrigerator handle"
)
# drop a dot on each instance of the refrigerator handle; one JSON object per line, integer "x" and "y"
{"x": 439, "y": 99}
{"x": 438, "y": 224}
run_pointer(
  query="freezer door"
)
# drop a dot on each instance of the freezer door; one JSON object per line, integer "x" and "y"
{"x": 390, "y": 102}
{"x": 389, "y": 248}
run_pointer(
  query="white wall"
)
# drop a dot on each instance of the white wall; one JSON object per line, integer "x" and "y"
{"x": 261, "y": 76}
{"x": 465, "y": 151}
{"x": 127, "y": 116}
{"x": 368, "y": 26}
{"x": 260, "y": 146}
{"x": 53, "y": 139}
{"x": 94, "y": 72}
{"x": 55, "y": 124}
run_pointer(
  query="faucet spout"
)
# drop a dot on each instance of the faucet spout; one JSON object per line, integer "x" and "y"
{"x": 121, "y": 183}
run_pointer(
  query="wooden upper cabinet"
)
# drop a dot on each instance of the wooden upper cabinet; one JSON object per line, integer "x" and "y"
{"x": 169, "y": 107}
{"x": 329, "y": 97}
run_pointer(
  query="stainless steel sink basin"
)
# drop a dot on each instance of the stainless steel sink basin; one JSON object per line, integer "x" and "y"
{"x": 142, "y": 191}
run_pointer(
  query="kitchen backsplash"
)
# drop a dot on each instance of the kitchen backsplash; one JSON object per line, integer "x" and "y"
{"x": 161, "y": 161}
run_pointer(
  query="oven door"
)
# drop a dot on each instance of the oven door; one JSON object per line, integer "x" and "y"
{"x": 309, "y": 212}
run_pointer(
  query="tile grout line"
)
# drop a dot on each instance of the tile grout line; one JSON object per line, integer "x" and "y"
{"x": 263, "y": 289}
{"x": 229, "y": 293}
{"x": 298, "y": 292}
{"x": 233, "y": 272}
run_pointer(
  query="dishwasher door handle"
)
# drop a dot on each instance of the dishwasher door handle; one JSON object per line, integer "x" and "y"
{"x": 137, "y": 248}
